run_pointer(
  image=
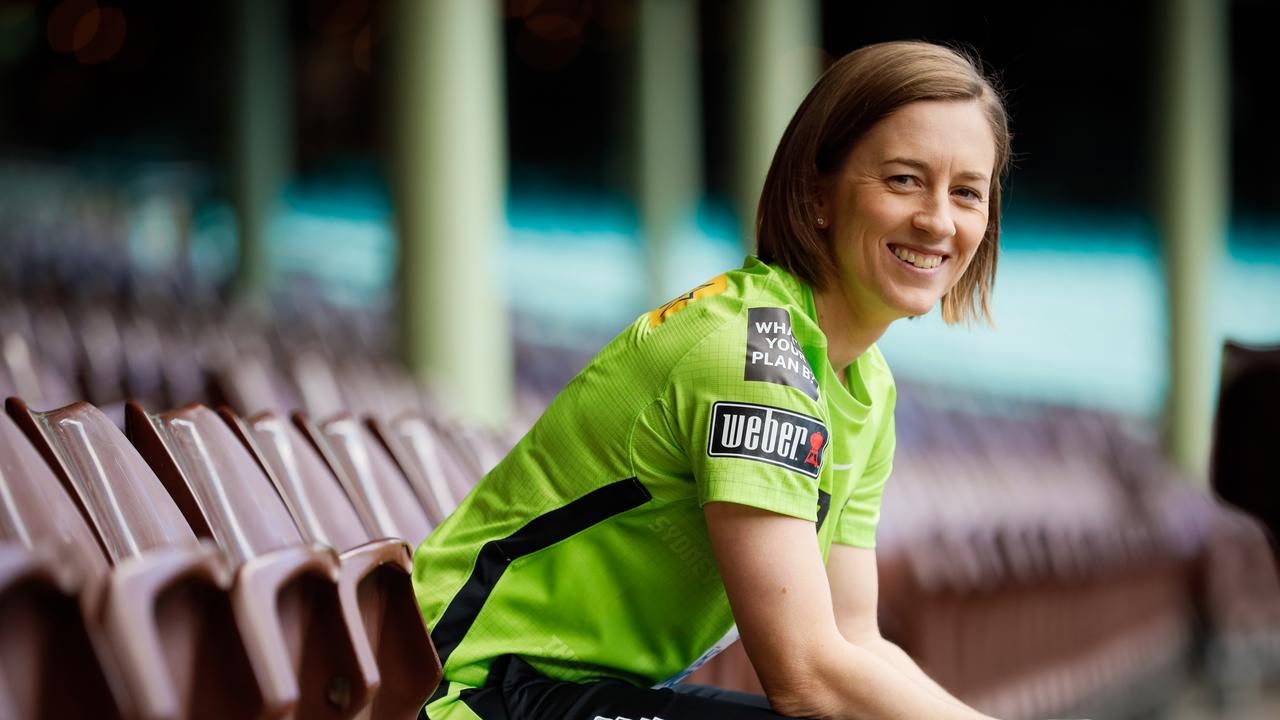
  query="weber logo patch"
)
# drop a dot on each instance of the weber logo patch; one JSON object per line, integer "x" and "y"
{"x": 767, "y": 434}
{"x": 773, "y": 355}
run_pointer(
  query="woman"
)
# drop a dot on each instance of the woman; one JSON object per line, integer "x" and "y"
{"x": 724, "y": 457}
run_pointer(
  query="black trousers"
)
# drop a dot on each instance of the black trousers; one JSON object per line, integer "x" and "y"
{"x": 516, "y": 691}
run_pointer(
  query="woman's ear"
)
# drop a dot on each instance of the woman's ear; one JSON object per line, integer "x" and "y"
{"x": 821, "y": 207}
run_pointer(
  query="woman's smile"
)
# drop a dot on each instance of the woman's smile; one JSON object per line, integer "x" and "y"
{"x": 917, "y": 259}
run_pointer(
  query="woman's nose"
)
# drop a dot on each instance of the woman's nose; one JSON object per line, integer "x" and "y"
{"x": 934, "y": 218}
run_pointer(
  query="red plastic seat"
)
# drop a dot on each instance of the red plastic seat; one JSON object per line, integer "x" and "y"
{"x": 428, "y": 464}
{"x": 22, "y": 374}
{"x": 285, "y": 594}
{"x": 45, "y": 646}
{"x": 51, "y": 574}
{"x": 380, "y": 492}
{"x": 249, "y": 382}
{"x": 164, "y": 610}
{"x": 376, "y": 586}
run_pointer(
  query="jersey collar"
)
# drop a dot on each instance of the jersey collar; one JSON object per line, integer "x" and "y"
{"x": 850, "y": 398}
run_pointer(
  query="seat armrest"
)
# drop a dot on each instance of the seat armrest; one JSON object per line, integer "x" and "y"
{"x": 275, "y": 637}
{"x": 128, "y": 614}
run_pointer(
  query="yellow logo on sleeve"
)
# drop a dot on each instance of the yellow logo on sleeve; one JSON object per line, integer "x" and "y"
{"x": 714, "y": 286}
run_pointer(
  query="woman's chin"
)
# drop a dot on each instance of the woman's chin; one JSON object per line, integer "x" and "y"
{"x": 915, "y": 307}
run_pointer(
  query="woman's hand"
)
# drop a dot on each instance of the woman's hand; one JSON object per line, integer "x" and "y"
{"x": 777, "y": 585}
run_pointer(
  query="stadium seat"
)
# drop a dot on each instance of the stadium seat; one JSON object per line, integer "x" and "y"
{"x": 21, "y": 374}
{"x": 285, "y": 592}
{"x": 101, "y": 355}
{"x": 479, "y": 448}
{"x": 249, "y": 382}
{"x": 1245, "y": 470}
{"x": 51, "y": 569}
{"x": 164, "y": 611}
{"x": 375, "y": 485}
{"x": 431, "y": 469}
{"x": 45, "y": 646}
{"x": 376, "y": 586}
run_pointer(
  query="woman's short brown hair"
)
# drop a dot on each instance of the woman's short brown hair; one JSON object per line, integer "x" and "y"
{"x": 854, "y": 94}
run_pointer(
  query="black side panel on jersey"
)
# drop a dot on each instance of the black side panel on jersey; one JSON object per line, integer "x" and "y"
{"x": 517, "y": 691}
{"x": 539, "y": 533}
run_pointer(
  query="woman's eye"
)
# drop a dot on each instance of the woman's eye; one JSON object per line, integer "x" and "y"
{"x": 969, "y": 193}
{"x": 902, "y": 180}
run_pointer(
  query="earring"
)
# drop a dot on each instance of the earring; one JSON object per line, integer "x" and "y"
{"x": 822, "y": 222}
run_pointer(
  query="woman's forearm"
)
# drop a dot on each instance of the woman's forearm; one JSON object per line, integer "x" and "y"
{"x": 855, "y": 683}
{"x": 900, "y": 660}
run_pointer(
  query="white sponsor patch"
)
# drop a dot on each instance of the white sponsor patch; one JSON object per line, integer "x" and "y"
{"x": 767, "y": 434}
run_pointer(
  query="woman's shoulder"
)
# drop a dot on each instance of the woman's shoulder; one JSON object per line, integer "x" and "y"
{"x": 715, "y": 300}
{"x": 701, "y": 334}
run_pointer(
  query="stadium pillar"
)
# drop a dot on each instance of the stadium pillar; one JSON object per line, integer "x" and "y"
{"x": 262, "y": 142}
{"x": 668, "y": 127}
{"x": 1194, "y": 191}
{"x": 777, "y": 57}
{"x": 449, "y": 177}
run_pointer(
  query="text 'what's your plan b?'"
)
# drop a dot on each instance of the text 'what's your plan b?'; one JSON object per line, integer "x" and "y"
{"x": 773, "y": 355}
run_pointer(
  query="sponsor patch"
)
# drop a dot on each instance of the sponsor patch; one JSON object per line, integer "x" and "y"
{"x": 767, "y": 434}
{"x": 714, "y": 286}
{"x": 773, "y": 355}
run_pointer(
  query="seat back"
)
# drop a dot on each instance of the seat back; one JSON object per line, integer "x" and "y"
{"x": 425, "y": 461}
{"x": 465, "y": 453}
{"x": 35, "y": 511}
{"x": 197, "y": 457}
{"x": 248, "y": 382}
{"x": 22, "y": 374}
{"x": 486, "y": 447}
{"x": 375, "y": 485}
{"x": 128, "y": 508}
{"x": 318, "y": 503}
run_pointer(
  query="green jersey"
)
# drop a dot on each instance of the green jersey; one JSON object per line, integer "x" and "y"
{"x": 585, "y": 551}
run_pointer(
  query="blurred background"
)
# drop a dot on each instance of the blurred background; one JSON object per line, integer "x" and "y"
{"x": 447, "y": 206}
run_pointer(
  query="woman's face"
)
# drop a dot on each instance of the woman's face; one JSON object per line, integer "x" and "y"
{"x": 908, "y": 209}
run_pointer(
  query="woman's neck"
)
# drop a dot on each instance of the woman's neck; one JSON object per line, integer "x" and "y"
{"x": 848, "y": 334}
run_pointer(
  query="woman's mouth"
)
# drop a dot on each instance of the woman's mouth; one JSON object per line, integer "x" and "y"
{"x": 917, "y": 259}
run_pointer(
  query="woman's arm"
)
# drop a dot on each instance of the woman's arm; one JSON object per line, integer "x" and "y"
{"x": 855, "y": 596}
{"x": 777, "y": 586}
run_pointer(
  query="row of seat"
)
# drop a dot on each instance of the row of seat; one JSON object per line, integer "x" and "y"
{"x": 107, "y": 354}
{"x": 1007, "y": 493}
{"x": 52, "y": 356}
{"x": 216, "y": 566}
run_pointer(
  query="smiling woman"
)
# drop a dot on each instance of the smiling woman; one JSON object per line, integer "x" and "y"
{"x": 944, "y": 130}
{"x": 716, "y": 471}
{"x": 908, "y": 210}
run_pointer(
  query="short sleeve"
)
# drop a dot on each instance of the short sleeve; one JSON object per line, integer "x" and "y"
{"x": 753, "y": 442}
{"x": 861, "y": 514}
